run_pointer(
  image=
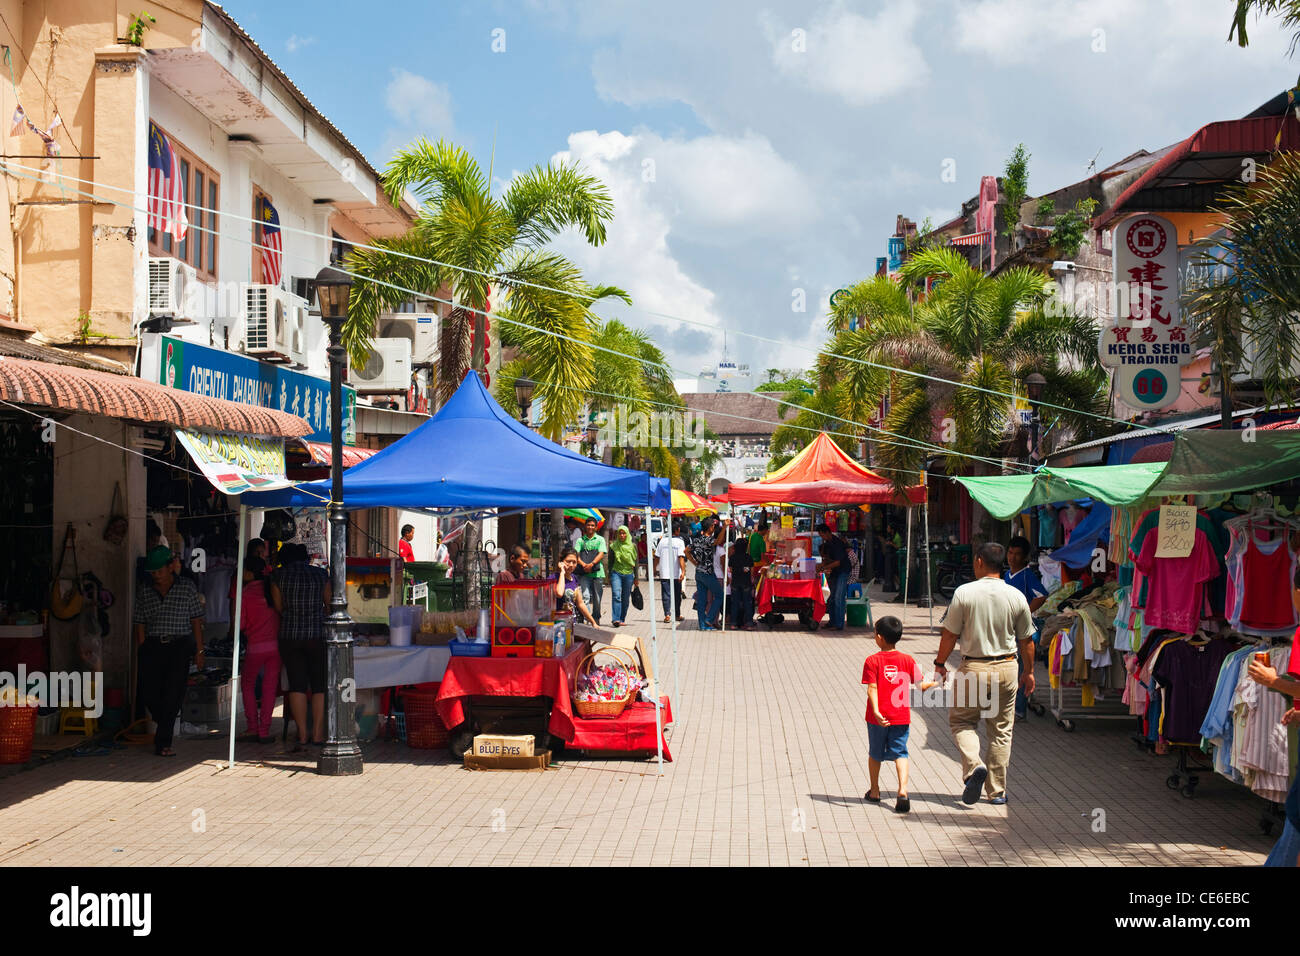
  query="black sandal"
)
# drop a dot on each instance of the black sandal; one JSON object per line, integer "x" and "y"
{"x": 869, "y": 798}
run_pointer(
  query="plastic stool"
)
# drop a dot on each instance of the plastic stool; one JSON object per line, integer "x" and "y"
{"x": 73, "y": 721}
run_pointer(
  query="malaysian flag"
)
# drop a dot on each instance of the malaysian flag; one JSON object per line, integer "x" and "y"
{"x": 272, "y": 245}
{"x": 166, "y": 188}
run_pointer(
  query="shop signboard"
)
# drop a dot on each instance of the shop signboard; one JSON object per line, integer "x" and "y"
{"x": 240, "y": 378}
{"x": 1148, "y": 344}
{"x": 237, "y": 463}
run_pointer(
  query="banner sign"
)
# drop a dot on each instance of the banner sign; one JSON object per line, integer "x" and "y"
{"x": 240, "y": 378}
{"x": 1149, "y": 343}
{"x": 237, "y": 463}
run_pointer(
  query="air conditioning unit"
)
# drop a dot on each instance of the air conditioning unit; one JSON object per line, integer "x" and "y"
{"x": 170, "y": 281}
{"x": 274, "y": 324}
{"x": 418, "y": 328}
{"x": 387, "y": 370}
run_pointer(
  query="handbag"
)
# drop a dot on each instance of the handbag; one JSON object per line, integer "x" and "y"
{"x": 638, "y": 601}
{"x": 65, "y": 593}
{"x": 115, "y": 530}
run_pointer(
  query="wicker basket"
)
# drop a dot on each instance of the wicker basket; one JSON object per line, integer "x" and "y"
{"x": 17, "y": 728}
{"x": 424, "y": 728}
{"x": 604, "y": 708}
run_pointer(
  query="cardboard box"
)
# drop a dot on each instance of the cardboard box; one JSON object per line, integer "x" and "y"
{"x": 498, "y": 745}
{"x": 540, "y": 761}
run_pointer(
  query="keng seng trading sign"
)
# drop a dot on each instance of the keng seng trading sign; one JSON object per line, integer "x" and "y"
{"x": 1148, "y": 344}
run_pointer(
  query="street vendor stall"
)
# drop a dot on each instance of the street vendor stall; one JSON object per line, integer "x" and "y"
{"x": 470, "y": 459}
{"x": 1194, "y": 586}
{"x": 821, "y": 474}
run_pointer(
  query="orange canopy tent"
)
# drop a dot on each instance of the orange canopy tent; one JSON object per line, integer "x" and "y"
{"x": 822, "y": 474}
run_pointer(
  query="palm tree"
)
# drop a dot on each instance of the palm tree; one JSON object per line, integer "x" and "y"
{"x": 1254, "y": 291}
{"x": 1288, "y": 9}
{"x": 983, "y": 333}
{"x": 476, "y": 240}
{"x": 482, "y": 240}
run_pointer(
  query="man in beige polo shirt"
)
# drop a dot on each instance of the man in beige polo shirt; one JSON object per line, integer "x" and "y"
{"x": 987, "y": 618}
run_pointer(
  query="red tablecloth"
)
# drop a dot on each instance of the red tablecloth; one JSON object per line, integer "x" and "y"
{"x": 512, "y": 677}
{"x": 633, "y": 731}
{"x": 774, "y": 587}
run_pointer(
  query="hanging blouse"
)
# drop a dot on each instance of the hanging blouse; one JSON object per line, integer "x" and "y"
{"x": 1176, "y": 586}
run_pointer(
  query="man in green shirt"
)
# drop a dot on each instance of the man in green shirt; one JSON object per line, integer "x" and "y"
{"x": 622, "y": 573}
{"x": 591, "y": 550}
{"x": 758, "y": 540}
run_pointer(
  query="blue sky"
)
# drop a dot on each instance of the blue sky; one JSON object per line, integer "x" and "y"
{"x": 759, "y": 152}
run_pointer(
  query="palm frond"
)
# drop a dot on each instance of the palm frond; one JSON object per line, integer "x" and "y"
{"x": 390, "y": 263}
{"x": 435, "y": 173}
{"x": 547, "y": 199}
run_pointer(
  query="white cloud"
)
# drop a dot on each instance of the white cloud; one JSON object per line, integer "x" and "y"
{"x": 419, "y": 108}
{"x": 415, "y": 101}
{"x": 859, "y": 59}
{"x": 296, "y": 43}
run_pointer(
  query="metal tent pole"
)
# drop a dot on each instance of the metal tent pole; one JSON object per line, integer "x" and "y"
{"x": 925, "y": 520}
{"x": 234, "y": 627}
{"x": 654, "y": 651}
{"x": 907, "y": 570}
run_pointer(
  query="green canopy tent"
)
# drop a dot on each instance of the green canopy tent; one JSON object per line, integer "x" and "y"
{"x": 1202, "y": 462}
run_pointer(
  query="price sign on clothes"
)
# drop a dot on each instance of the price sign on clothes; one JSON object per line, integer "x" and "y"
{"x": 787, "y": 521}
{"x": 1176, "y": 533}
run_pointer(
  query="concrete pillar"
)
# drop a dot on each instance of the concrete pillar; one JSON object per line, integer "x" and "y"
{"x": 119, "y": 237}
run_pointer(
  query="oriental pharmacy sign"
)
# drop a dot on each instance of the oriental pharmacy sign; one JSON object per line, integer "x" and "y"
{"x": 1148, "y": 345}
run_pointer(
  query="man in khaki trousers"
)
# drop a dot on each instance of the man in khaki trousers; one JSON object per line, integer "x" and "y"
{"x": 987, "y": 618}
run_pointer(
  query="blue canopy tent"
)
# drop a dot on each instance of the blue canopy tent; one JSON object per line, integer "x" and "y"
{"x": 472, "y": 456}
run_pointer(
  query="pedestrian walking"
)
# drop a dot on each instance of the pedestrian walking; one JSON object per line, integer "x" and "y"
{"x": 168, "y": 622}
{"x": 708, "y": 589}
{"x": 259, "y": 625}
{"x": 670, "y": 552}
{"x": 836, "y": 566}
{"x": 622, "y": 573}
{"x": 591, "y": 549}
{"x": 300, "y": 592}
{"x": 889, "y": 676}
{"x": 987, "y": 619}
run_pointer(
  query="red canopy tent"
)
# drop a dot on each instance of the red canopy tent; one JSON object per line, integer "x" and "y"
{"x": 822, "y": 474}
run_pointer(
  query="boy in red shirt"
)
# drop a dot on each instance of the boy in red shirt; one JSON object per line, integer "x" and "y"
{"x": 889, "y": 676}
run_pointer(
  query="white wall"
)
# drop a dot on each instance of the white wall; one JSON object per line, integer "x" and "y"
{"x": 241, "y": 168}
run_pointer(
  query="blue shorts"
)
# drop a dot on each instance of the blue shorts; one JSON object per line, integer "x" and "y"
{"x": 887, "y": 743}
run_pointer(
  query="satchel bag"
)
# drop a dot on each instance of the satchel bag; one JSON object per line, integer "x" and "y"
{"x": 65, "y": 593}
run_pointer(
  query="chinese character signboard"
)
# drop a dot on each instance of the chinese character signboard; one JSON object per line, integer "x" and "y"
{"x": 1148, "y": 344}
{"x": 239, "y": 378}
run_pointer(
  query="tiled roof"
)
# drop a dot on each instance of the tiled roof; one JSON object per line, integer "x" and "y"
{"x": 45, "y": 385}
{"x": 17, "y": 347}
{"x": 731, "y": 414}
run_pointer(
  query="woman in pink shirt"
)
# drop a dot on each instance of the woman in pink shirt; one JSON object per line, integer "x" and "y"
{"x": 260, "y": 625}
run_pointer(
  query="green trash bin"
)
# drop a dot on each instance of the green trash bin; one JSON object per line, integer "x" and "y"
{"x": 856, "y": 613}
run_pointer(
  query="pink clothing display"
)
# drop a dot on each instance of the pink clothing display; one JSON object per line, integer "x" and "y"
{"x": 1070, "y": 517}
{"x": 1176, "y": 586}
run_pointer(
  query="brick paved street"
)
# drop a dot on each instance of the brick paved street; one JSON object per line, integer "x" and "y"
{"x": 770, "y": 770}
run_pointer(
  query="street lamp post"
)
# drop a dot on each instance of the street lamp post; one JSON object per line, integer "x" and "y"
{"x": 340, "y": 756}
{"x": 524, "y": 387}
{"x": 1034, "y": 384}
